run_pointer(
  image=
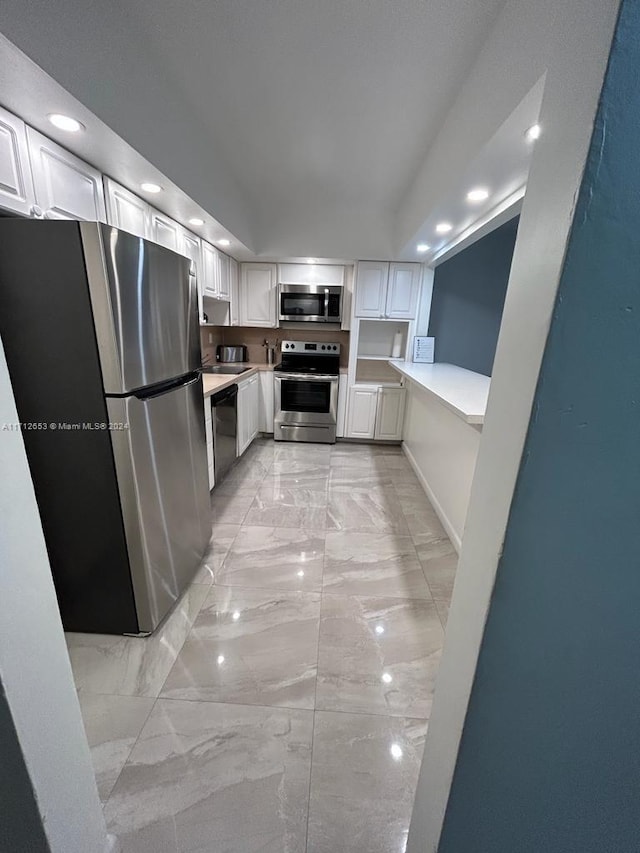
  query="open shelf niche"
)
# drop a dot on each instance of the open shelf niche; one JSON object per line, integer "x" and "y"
{"x": 375, "y": 348}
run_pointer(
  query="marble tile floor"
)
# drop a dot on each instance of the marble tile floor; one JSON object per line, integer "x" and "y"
{"x": 283, "y": 705}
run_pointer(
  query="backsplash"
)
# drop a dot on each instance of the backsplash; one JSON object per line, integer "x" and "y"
{"x": 209, "y": 349}
{"x": 253, "y": 338}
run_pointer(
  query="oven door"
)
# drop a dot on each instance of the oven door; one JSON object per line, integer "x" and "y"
{"x": 306, "y": 399}
{"x": 313, "y": 303}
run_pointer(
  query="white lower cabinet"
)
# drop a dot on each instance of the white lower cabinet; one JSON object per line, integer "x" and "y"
{"x": 254, "y": 411}
{"x": 390, "y": 414}
{"x": 266, "y": 400}
{"x": 343, "y": 389}
{"x": 361, "y": 417}
{"x": 248, "y": 412}
{"x": 375, "y": 413}
{"x": 208, "y": 429}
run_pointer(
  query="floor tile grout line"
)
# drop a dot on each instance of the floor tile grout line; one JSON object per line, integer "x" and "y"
{"x": 187, "y": 633}
{"x": 315, "y": 694}
{"x": 135, "y": 743}
{"x": 416, "y": 550}
{"x": 227, "y": 702}
{"x": 313, "y": 737}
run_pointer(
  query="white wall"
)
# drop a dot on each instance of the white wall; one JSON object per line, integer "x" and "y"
{"x": 443, "y": 450}
{"x": 35, "y": 673}
{"x": 512, "y": 60}
{"x": 580, "y": 42}
{"x": 149, "y": 111}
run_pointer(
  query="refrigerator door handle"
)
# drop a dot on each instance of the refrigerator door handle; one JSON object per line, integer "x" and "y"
{"x": 166, "y": 387}
{"x": 191, "y": 381}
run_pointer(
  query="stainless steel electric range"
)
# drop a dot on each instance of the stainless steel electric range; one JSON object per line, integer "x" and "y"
{"x": 306, "y": 392}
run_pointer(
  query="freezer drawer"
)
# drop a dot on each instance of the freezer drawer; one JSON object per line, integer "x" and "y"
{"x": 161, "y": 465}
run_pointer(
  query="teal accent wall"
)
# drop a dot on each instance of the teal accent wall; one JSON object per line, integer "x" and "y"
{"x": 468, "y": 300}
{"x": 549, "y": 760}
{"x": 20, "y": 823}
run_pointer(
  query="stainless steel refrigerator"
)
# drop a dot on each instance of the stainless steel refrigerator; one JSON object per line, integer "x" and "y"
{"x": 101, "y": 334}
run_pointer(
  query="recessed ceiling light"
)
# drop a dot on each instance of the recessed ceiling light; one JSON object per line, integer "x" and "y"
{"x": 235, "y": 615}
{"x": 224, "y": 242}
{"x": 196, "y": 221}
{"x": 151, "y": 188}
{"x": 479, "y": 194}
{"x": 532, "y": 133}
{"x": 220, "y": 660}
{"x": 443, "y": 227}
{"x": 67, "y": 123}
{"x": 387, "y": 677}
{"x": 379, "y": 629}
{"x": 422, "y": 247}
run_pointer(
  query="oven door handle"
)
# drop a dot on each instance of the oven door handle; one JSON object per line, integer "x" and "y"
{"x": 308, "y": 377}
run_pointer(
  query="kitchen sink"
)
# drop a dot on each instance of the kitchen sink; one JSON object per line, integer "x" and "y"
{"x": 229, "y": 369}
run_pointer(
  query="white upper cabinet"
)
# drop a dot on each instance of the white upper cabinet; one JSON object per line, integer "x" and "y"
{"x": 224, "y": 279}
{"x": 403, "y": 291}
{"x": 258, "y": 295}
{"x": 210, "y": 270}
{"x": 311, "y": 274}
{"x": 347, "y": 297}
{"x": 190, "y": 246}
{"x": 371, "y": 288}
{"x": 16, "y": 185}
{"x": 125, "y": 210}
{"x": 65, "y": 186}
{"x": 234, "y": 301}
{"x": 165, "y": 231}
{"x": 387, "y": 290}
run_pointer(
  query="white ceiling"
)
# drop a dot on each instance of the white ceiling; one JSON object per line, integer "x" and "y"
{"x": 302, "y": 127}
{"x": 319, "y": 106}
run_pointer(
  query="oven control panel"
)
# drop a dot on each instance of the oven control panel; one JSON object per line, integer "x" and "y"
{"x": 311, "y": 347}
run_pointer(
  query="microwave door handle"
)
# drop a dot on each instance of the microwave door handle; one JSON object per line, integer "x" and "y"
{"x": 326, "y": 303}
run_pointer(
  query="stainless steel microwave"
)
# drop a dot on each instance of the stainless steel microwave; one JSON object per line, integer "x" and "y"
{"x": 310, "y": 303}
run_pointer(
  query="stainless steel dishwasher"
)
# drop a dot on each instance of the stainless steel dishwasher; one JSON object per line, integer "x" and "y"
{"x": 225, "y": 425}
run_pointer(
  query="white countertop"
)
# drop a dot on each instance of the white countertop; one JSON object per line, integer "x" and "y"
{"x": 462, "y": 391}
{"x": 213, "y": 382}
